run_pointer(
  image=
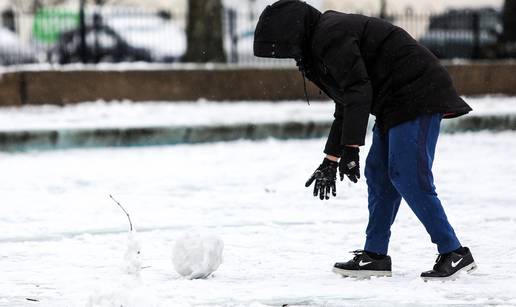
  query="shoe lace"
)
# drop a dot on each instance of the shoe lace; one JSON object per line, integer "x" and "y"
{"x": 358, "y": 253}
{"x": 441, "y": 257}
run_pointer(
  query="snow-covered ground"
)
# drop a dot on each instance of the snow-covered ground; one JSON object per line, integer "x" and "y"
{"x": 152, "y": 114}
{"x": 62, "y": 240}
{"x": 157, "y": 114}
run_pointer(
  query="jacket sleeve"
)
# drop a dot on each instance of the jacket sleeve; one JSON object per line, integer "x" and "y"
{"x": 346, "y": 67}
{"x": 333, "y": 145}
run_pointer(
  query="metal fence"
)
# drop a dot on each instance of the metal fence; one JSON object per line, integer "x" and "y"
{"x": 454, "y": 34}
{"x": 115, "y": 34}
{"x": 111, "y": 34}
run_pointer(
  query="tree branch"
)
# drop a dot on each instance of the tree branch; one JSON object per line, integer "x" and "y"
{"x": 128, "y": 217}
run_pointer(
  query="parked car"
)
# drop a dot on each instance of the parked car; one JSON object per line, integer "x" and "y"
{"x": 453, "y": 34}
{"x": 121, "y": 36}
{"x": 160, "y": 35}
{"x": 13, "y": 50}
{"x": 103, "y": 44}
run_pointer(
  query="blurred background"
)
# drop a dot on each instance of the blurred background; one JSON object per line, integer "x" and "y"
{"x": 162, "y": 104}
{"x": 169, "y": 31}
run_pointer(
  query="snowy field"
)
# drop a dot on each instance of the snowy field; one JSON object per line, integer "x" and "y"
{"x": 158, "y": 114}
{"x": 62, "y": 240}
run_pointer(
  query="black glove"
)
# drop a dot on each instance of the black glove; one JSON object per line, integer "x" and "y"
{"x": 325, "y": 176}
{"x": 349, "y": 164}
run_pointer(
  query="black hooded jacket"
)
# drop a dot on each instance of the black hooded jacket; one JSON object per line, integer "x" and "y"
{"x": 366, "y": 65}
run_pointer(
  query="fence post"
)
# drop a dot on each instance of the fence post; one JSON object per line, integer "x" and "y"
{"x": 82, "y": 29}
{"x": 476, "y": 36}
{"x": 232, "y": 28}
{"x": 97, "y": 23}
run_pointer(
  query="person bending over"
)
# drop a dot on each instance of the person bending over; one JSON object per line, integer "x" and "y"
{"x": 369, "y": 66}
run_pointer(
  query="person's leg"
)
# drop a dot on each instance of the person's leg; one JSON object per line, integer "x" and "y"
{"x": 411, "y": 153}
{"x": 384, "y": 200}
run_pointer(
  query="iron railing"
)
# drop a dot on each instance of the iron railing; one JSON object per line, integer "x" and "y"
{"x": 114, "y": 34}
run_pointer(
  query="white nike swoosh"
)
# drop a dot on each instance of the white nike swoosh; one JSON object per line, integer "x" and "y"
{"x": 454, "y": 264}
{"x": 361, "y": 263}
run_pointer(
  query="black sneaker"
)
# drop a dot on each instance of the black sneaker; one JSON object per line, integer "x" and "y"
{"x": 363, "y": 266}
{"x": 448, "y": 265}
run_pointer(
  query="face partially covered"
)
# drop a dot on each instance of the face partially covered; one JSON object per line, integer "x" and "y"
{"x": 283, "y": 30}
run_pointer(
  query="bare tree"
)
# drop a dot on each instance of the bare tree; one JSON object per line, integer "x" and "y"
{"x": 204, "y": 32}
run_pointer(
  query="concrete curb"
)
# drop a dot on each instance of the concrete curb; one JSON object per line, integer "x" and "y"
{"x": 497, "y": 122}
{"x": 13, "y": 141}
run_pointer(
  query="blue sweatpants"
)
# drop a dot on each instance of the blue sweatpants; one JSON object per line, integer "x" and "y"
{"x": 399, "y": 165}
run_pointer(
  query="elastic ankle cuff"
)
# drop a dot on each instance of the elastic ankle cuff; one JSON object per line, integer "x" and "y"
{"x": 375, "y": 256}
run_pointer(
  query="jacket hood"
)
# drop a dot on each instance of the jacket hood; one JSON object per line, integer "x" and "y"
{"x": 284, "y": 30}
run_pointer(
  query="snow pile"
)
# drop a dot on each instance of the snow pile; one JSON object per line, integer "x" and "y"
{"x": 130, "y": 290}
{"x": 102, "y": 114}
{"x": 196, "y": 255}
{"x": 127, "y": 114}
{"x": 130, "y": 293}
{"x": 133, "y": 255}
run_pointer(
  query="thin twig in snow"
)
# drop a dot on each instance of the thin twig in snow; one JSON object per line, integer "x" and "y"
{"x": 128, "y": 217}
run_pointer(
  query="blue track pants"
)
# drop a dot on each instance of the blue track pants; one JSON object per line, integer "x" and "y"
{"x": 399, "y": 165}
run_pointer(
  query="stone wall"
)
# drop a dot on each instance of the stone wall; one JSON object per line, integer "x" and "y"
{"x": 224, "y": 83}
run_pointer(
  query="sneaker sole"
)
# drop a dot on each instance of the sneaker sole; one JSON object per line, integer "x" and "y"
{"x": 361, "y": 273}
{"x": 468, "y": 269}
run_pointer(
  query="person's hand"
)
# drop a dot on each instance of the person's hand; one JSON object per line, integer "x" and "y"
{"x": 324, "y": 176}
{"x": 350, "y": 164}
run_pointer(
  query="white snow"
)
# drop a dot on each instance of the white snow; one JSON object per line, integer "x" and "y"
{"x": 62, "y": 241}
{"x": 133, "y": 254}
{"x": 126, "y": 292}
{"x": 143, "y": 66}
{"x": 152, "y": 114}
{"x": 197, "y": 255}
{"x": 493, "y": 105}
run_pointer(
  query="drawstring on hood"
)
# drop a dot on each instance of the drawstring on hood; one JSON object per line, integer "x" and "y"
{"x": 302, "y": 68}
{"x": 284, "y": 30}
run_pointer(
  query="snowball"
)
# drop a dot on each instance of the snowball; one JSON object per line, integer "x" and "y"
{"x": 133, "y": 262}
{"x": 197, "y": 255}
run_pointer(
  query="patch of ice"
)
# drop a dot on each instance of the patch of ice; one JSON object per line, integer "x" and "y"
{"x": 196, "y": 255}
